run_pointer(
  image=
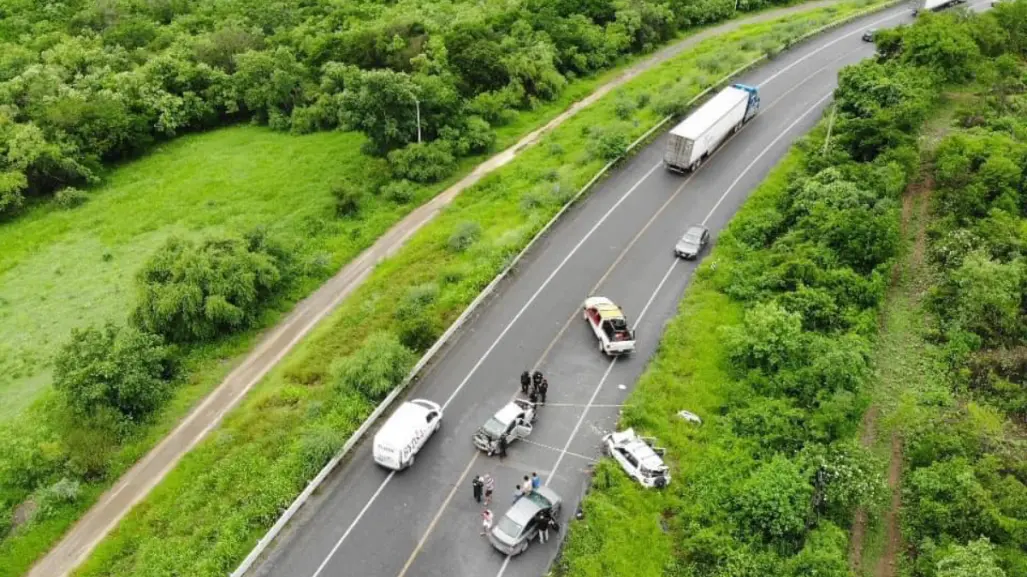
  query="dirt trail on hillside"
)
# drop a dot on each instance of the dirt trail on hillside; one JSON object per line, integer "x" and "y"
{"x": 138, "y": 481}
{"x": 904, "y": 277}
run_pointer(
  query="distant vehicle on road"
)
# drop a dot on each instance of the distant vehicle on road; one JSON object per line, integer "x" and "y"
{"x": 609, "y": 325}
{"x": 406, "y": 431}
{"x": 516, "y": 528}
{"x": 868, "y": 36}
{"x": 695, "y": 139}
{"x": 693, "y": 241}
{"x": 514, "y": 421}
{"x": 638, "y": 458}
{"x": 935, "y": 5}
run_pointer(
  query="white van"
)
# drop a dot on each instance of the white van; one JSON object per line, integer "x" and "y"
{"x": 406, "y": 431}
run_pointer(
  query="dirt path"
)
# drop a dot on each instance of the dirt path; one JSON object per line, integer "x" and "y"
{"x": 138, "y": 481}
{"x": 905, "y": 290}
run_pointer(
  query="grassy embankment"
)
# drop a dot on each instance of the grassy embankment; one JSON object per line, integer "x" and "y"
{"x": 300, "y": 414}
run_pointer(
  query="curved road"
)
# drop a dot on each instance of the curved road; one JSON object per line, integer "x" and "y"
{"x": 367, "y": 522}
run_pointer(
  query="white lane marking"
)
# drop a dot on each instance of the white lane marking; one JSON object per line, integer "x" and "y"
{"x": 353, "y": 524}
{"x": 595, "y": 393}
{"x": 828, "y": 45}
{"x": 545, "y": 283}
{"x": 784, "y": 133}
{"x": 555, "y": 450}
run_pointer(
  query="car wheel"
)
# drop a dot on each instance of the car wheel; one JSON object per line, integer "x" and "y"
{"x": 524, "y": 547}
{"x": 605, "y": 449}
{"x": 601, "y": 349}
{"x": 410, "y": 463}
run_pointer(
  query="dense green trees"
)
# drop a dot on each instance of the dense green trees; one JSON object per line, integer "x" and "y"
{"x": 83, "y": 83}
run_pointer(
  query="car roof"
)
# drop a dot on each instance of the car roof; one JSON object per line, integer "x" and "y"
{"x": 608, "y": 310}
{"x": 508, "y": 413}
{"x": 397, "y": 428}
{"x": 525, "y": 508}
{"x": 638, "y": 448}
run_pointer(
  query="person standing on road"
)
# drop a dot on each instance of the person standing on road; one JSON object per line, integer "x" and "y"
{"x": 490, "y": 485}
{"x": 486, "y": 521}
{"x": 476, "y": 485}
{"x": 536, "y": 481}
{"x": 552, "y": 525}
{"x": 543, "y": 388}
{"x": 533, "y": 398}
{"x": 542, "y": 519}
{"x": 501, "y": 447}
{"x": 517, "y": 494}
{"x": 525, "y": 382}
{"x": 526, "y": 487}
{"x": 536, "y": 380}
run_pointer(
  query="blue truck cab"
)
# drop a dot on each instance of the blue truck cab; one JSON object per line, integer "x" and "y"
{"x": 754, "y": 100}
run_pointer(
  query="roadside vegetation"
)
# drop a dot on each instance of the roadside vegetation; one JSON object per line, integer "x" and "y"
{"x": 773, "y": 345}
{"x": 231, "y": 488}
{"x": 144, "y": 279}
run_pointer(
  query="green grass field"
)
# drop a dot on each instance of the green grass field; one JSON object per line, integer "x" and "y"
{"x": 300, "y": 414}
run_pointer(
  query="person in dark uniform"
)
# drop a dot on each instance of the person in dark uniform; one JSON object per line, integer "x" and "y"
{"x": 533, "y": 397}
{"x": 477, "y": 485}
{"x": 543, "y": 388}
{"x": 501, "y": 446}
{"x": 536, "y": 379}
{"x": 525, "y": 382}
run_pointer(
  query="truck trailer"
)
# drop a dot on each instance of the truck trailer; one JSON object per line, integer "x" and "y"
{"x": 934, "y": 5}
{"x": 695, "y": 139}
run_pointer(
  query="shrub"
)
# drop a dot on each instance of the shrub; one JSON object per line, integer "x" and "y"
{"x": 773, "y": 502}
{"x": 119, "y": 368}
{"x": 608, "y": 143}
{"x": 49, "y": 499}
{"x": 423, "y": 161}
{"x": 380, "y": 364}
{"x": 348, "y": 198}
{"x": 196, "y": 291}
{"x": 466, "y": 234}
{"x": 11, "y": 186}
{"x": 771, "y": 339}
{"x": 418, "y": 332}
{"x": 398, "y": 191}
{"x": 70, "y": 197}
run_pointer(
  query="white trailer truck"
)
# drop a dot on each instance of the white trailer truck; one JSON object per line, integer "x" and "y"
{"x": 695, "y": 139}
{"x": 934, "y": 5}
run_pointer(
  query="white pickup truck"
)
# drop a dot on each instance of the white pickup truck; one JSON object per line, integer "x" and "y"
{"x": 609, "y": 325}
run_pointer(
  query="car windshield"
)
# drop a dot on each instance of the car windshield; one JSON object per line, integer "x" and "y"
{"x": 537, "y": 498}
{"x": 692, "y": 237}
{"x": 494, "y": 428}
{"x": 509, "y": 527}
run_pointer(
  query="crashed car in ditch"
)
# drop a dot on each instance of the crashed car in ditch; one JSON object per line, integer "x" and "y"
{"x": 639, "y": 459}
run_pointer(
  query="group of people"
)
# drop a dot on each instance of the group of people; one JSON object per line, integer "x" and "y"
{"x": 484, "y": 485}
{"x": 535, "y": 386}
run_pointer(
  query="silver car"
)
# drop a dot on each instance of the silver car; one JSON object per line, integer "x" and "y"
{"x": 692, "y": 243}
{"x": 516, "y": 528}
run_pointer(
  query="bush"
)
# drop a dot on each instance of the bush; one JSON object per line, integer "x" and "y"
{"x": 466, "y": 234}
{"x": 348, "y": 198}
{"x": 197, "y": 291}
{"x": 418, "y": 333}
{"x": 70, "y": 197}
{"x": 112, "y": 367}
{"x": 423, "y": 162}
{"x": 608, "y": 143}
{"x": 773, "y": 502}
{"x": 380, "y": 364}
{"x": 49, "y": 499}
{"x": 11, "y": 186}
{"x": 771, "y": 339}
{"x": 398, "y": 191}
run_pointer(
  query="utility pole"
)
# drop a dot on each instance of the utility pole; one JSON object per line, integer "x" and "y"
{"x": 830, "y": 125}
{"x": 418, "y": 104}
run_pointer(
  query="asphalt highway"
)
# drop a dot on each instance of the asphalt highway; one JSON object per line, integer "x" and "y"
{"x": 368, "y": 522}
